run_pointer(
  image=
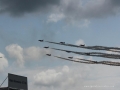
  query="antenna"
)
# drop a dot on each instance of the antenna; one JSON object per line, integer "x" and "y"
{"x": 3, "y": 81}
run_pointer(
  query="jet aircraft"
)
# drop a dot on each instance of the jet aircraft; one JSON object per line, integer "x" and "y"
{"x": 70, "y": 57}
{"x": 48, "y": 54}
{"x": 40, "y": 40}
{"x": 62, "y": 42}
{"x": 46, "y": 47}
{"x": 82, "y": 45}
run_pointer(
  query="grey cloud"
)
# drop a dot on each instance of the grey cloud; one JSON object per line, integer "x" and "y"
{"x": 69, "y": 9}
{"x": 20, "y": 7}
{"x": 76, "y": 10}
{"x": 92, "y": 9}
{"x": 115, "y": 2}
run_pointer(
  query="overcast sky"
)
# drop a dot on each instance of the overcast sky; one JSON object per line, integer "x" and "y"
{"x": 90, "y": 22}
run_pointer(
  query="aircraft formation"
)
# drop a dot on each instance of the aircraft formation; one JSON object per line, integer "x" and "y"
{"x": 95, "y": 54}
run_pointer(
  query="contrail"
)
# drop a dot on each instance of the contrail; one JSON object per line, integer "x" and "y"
{"x": 73, "y": 60}
{"x": 89, "y": 61}
{"x": 102, "y": 62}
{"x": 96, "y": 54}
{"x": 113, "y": 49}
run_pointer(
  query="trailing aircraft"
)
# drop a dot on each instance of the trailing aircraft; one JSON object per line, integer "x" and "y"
{"x": 70, "y": 57}
{"x": 62, "y": 42}
{"x": 46, "y": 47}
{"x": 48, "y": 54}
{"x": 40, "y": 40}
{"x": 82, "y": 45}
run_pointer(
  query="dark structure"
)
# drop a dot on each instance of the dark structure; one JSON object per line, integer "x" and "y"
{"x": 16, "y": 82}
{"x": 4, "y": 88}
{"x": 7, "y": 88}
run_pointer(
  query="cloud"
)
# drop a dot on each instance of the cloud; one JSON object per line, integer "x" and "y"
{"x": 115, "y": 2}
{"x": 22, "y": 54}
{"x": 55, "y": 17}
{"x": 47, "y": 78}
{"x": 69, "y": 77}
{"x": 68, "y": 10}
{"x": 85, "y": 24}
{"x": 3, "y": 62}
{"x": 80, "y": 41}
{"x": 77, "y": 10}
{"x": 35, "y": 52}
{"x": 21, "y": 7}
{"x": 53, "y": 77}
{"x": 78, "y": 76}
{"x": 16, "y": 51}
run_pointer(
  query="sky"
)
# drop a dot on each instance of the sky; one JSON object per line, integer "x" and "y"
{"x": 89, "y": 22}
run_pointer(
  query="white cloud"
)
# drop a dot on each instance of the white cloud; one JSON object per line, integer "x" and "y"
{"x": 47, "y": 78}
{"x": 55, "y": 17}
{"x": 78, "y": 76}
{"x": 16, "y": 52}
{"x": 3, "y": 62}
{"x": 65, "y": 69}
{"x": 80, "y": 41}
{"x": 22, "y": 54}
{"x": 35, "y": 52}
{"x": 53, "y": 77}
